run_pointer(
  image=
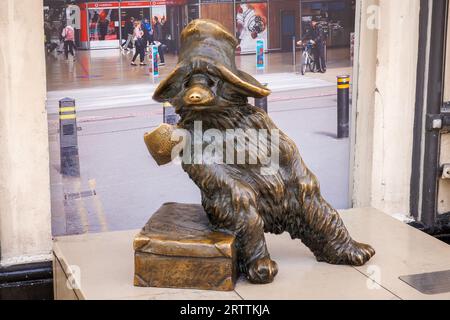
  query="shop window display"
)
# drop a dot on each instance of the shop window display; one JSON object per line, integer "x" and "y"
{"x": 336, "y": 20}
{"x": 137, "y": 13}
{"x": 103, "y": 24}
{"x": 251, "y": 25}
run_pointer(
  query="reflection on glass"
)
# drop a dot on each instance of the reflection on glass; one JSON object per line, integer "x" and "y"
{"x": 160, "y": 12}
{"x": 103, "y": 24}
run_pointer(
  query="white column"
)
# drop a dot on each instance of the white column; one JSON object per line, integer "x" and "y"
{"x": 25, "y": 218}
{"x": 385, "y": 107}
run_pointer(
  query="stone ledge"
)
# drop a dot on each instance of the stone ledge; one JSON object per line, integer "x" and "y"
{"x": 401, "y": 250}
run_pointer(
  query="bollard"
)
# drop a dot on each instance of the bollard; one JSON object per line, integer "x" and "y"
{"x": 169, "y": 115}
{"x": 68, "y": 132}
{"x": 262, "y": 102}
{"x": 343, "y": 106}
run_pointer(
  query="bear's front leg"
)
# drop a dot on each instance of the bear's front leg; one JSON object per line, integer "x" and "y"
{"x": 249, "y": 229}
{"x": 231, "y": 205}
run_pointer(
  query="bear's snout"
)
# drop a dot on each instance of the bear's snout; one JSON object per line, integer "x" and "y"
{"x": 198, "y": 95}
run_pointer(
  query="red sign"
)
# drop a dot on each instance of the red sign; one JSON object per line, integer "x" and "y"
{"x": 135, "y": 4}
{"x": 103, "y": 5}
{"x": 158, "y": 3}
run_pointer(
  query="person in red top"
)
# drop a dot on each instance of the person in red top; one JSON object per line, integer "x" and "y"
{"x": 68, "y": 34}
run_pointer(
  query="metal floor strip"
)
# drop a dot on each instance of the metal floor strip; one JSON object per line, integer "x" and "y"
{"x": 429, "y": 283}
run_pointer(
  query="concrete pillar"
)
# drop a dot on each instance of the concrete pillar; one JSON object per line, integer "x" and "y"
{"x": 25, "y": 218}
{"x": 385, "y": 101}
{"x": 364, "y": 77}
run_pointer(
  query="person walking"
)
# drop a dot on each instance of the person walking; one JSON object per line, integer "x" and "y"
{"x": 129, "y": 27}
{"x": 68, "y": 35}
{"x": 138, "y": 37}
{"x": 159, "y": 40}
{"x": 148, "y": 32}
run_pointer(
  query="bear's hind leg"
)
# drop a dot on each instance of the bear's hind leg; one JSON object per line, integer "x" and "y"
{"x": 320, "y": 227}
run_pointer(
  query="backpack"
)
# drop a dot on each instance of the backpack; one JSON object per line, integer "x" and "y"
{"x": 69, "y": 33}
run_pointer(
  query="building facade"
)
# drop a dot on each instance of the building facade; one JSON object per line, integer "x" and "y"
{"x": 101, "y": 24}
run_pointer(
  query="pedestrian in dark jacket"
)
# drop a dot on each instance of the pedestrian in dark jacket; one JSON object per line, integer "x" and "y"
{"x": 158, "y": 37}
{"x": 129, "y": 29}
{"x": 317, "y": 34}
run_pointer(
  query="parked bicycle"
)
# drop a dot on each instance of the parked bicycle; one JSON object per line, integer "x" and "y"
{"x": 307, "y": 57}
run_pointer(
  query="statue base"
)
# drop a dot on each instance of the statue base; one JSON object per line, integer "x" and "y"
{"x": 177, "y": 248}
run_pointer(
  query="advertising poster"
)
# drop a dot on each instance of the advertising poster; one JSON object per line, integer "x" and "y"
{"x": 154, "y": 60}
{"x": 251, "y": 25}
{"x": 260, "y": 64}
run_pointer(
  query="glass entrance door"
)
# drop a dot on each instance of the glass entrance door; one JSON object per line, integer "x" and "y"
{"x": 138, "y": 14}
{"x": 287, "y": 29}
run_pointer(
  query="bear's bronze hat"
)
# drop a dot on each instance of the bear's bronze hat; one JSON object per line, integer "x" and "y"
{"x": 207, "y": 47}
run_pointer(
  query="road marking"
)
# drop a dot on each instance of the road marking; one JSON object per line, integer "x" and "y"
{"x": 99, "y": 211}
{"x": 81, "y": 210}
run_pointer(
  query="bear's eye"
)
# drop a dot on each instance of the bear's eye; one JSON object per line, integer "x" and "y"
{"x": 200, "y": 79}
{"x": 229, "y": 93}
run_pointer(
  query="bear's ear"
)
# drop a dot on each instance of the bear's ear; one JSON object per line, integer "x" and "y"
{"x": 172, "y": 85}
{"x": 242, "y": 80}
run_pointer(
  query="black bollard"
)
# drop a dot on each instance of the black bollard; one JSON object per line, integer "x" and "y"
{"x": 343, "y": 106}
{"x": 68, "y": 133}
{"x": 262, "y": 102}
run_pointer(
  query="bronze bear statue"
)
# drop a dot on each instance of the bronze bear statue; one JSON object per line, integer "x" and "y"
{"x": 207, "y": 88}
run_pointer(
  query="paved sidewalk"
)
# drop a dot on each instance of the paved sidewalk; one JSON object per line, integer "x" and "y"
{"x": 98, "y": 98}
{"x": 103, "y": 79}
{"x": 121, "y": 186}
{"x": 129, "y": 186}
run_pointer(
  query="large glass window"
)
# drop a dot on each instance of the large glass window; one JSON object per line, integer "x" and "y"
{"x": 136, "y": 13}
{"x": 337, "y": 18}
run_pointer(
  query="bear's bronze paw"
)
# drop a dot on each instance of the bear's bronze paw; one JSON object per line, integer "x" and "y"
{"x": 352, "y": 254}
{"x": 262, "y": 271}
{"x": 359, "y": 253}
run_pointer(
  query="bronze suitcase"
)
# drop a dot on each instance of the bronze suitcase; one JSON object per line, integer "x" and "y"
{"x": 177, "y": 248}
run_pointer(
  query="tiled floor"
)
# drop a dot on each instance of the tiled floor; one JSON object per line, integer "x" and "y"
{"x": 112, "y": 68}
